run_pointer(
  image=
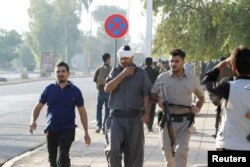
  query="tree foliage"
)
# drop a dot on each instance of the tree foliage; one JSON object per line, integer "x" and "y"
{"x": 9, "y": 44}
{"x": 204, "y": 29}
{"x": 53, "y": 26}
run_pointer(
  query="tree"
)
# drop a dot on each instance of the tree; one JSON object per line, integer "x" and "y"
{"x": 26, "y": 58}
{"x": 53, "y": 26}
{"x": 204, "y": 29}
{"x": 9, "y": 44}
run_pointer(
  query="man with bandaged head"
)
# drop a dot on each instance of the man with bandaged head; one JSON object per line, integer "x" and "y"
{"x": 129, "y": 88}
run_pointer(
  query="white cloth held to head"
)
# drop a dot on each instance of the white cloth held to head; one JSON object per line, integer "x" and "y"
{"x": 125, "y": 51}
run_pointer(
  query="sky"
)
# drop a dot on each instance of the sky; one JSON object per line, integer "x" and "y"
{"x": 13, "y": 15}
{"x": 16, "y": 17}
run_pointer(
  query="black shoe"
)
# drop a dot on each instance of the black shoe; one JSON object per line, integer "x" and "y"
{"x": 97, "y": 130}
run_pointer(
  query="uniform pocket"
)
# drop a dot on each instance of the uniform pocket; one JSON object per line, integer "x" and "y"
{"x": 188, "y": 90}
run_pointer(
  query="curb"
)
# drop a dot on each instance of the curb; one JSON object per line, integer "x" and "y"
{"x": 19, "y": 81}
{"x": 11, "y": 162}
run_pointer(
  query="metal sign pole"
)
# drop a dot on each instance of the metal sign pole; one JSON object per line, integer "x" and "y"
{"x": 115, "y": 52}
{"x": 116, "y": 26}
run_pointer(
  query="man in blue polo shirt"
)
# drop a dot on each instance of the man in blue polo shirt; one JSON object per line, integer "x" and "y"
{"x": 61, "y": 98}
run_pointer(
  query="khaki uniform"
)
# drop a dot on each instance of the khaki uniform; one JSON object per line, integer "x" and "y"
{"x": 179, "y": 91}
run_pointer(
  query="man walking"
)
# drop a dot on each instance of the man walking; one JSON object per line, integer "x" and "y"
{"x": 61, "y": 98}
{"x": 152, "y": 74}
{"x": 234, "y": 133}
{"x": 178, "y": 85}
{"x": 103, "y": 97}
{"x": 129, "y": 88}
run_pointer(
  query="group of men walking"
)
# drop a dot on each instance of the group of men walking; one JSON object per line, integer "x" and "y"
{"x": 130, "y": 94}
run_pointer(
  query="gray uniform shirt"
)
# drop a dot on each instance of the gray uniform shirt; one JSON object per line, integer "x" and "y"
{"x": 179, "y": 90}
{"x": 130, "y": 93}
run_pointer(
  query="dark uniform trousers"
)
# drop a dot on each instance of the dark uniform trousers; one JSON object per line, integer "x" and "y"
{"x": 60, "y": 143}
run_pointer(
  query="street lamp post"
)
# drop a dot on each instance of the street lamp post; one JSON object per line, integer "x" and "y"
{"x": 90, "y": 43}
{"x": 66, "y": 34}
{"x": 149, "y": 28}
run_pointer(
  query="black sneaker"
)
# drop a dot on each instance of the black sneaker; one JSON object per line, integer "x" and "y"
{"x": 97, "y": 130}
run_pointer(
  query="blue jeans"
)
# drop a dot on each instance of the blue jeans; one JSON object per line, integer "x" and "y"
{"x": 102, "y": 98}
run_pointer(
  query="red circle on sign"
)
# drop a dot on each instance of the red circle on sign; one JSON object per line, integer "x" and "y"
{"x": 116, "y": 26}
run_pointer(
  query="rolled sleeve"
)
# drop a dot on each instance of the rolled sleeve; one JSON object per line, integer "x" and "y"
{"x": 198, "y": 88}
{"x": 156, "y": 87}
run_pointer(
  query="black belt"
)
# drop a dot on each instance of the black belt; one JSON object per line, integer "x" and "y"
{"x": 178, "y": 106}
{"x": 181, "y": 117}
{"x": 125, "y": 113}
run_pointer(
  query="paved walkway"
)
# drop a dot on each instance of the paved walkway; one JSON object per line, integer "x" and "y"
{"x": 81, "y": 156}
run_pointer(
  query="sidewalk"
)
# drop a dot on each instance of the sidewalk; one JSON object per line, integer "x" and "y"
{"x": 201, "y": 141}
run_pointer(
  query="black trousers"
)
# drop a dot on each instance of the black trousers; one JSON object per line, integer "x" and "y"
{"x": 152, "y": 116}
{"x": 60, "y": 143}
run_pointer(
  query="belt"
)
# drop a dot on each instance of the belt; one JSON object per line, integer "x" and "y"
{"x": 178, "y": 106}
{"x": 125, "y": 113}
{"x": 181, "y": 117}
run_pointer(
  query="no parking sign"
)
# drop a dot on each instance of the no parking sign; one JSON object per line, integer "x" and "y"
{"x": 116, "y": 26}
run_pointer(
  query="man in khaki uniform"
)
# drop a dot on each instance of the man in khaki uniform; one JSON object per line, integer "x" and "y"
{"x": 179, "y": 86}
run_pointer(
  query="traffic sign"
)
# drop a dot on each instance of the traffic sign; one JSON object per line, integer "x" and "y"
{"x": 116, "y": 26}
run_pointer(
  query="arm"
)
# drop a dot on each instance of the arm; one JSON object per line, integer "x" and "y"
{"x": 34, "y": 115}
{"x": 156, "y": 99}
{"x": 210, "y": 81}
{"x": 114, "y": 83}
{"x": 221, "y": 65}
{"x": 84, "y": 121}
{"x": 196, "y": 109}
{"x": 147, "y": 105}
{"x": 95, "y": 76}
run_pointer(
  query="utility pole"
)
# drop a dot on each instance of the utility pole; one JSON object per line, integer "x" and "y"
{"x": 66, "y": 34}
{"x": 90, "y": 43}
{"x": 128, "y": 16}
{"x": 149, "y": 28}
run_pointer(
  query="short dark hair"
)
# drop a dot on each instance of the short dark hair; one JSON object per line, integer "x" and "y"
{"x": 222, "y": 58}
{"x": 127, "y": 47}
{"x": 148, "y": 61}
{"x": 63, "y": 64}
{"x": 105, "y": 57}
{"x": 240, "y": 58}
{"x": 178, "y": 52}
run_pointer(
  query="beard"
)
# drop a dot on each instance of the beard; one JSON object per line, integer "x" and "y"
{"x": 124, "y": 65}
{"x": 61, "y": 79}
{"x": 176, "y": 69}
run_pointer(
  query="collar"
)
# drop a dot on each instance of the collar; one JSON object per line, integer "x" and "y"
{"x": 106, "y": 65}
{"x": 243, "y": 77}
{"x": 70, "y": 84}
{"x": 183, "y": 75}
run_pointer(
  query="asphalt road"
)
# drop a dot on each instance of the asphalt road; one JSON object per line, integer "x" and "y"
{"x": 16, "y": 104}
